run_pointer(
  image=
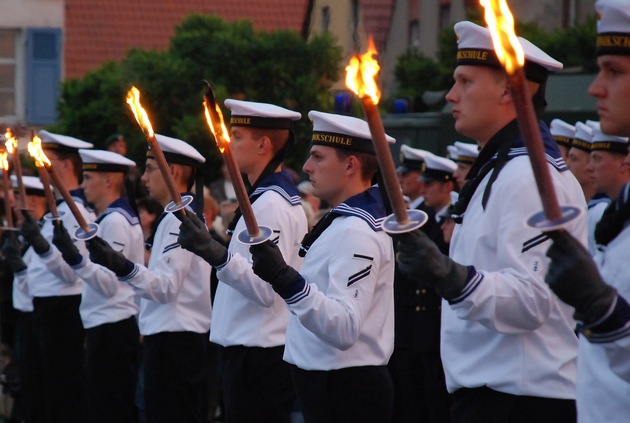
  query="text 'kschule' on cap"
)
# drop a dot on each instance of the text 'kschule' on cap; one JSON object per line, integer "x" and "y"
{"x": 343, "y": 132}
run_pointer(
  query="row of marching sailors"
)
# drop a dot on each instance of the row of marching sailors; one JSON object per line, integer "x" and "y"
{"x": 599, "y": 162}
{"x": 316, "y": 319}
{"x": 342, "y": 334}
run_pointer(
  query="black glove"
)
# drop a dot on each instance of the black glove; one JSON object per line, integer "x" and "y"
{"x": 11, "y": 251}
{"x": 63, "y": 242}
{"x": 270, "y": 266}
{"x": 194, "y": 237}
{"x": 101, "y": 253}
{"x": 32, "y": 235}
{"x": 574, "y": 277}
{"x": 419, "y": 258}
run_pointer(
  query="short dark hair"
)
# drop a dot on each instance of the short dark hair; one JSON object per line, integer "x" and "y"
{"x": 112, "y": 139}
{"x": 369, "y": 164}
{"x": 74, "y": 158}
{"x": 278, "y": 137}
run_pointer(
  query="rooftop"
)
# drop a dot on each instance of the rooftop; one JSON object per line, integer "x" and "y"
{"x": 99, "y": 31}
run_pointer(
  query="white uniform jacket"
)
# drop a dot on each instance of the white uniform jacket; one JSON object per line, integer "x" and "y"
{"x": 105, "y": 299}
{"x": 342, "y": 313}
{"x": 49, "y": 275}
{"x": 247, "y": 311}
{"x": 22, "y": 298}
{"x": 508, "y": 331}
{"x": 175, "y": 288}
{"x": 604, "y": 355}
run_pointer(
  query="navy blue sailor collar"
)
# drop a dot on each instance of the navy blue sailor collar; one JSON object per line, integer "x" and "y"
{"x": 122, "y": 206}
{"x": 552, "y": 151}
{"x": 282, "y": 183}
{"x": 367, "y": 206}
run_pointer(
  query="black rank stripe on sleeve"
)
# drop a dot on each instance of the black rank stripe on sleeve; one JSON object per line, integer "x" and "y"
{"x": 360, "y": 256}
{"x": 359, "y": 275}
{"x": 170, "y": 247}
{"x": 533, "y": 242}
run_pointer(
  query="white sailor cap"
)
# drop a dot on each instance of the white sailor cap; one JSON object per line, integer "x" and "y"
{"x": 177, "y": 151}
{"x": 411, "y": 159}
{"x": 343, "y": 132}
{"x": 562, "y": 132}
{"x": 613, "y": 27}
{"x": 104, "y": 161}
{"x": 583, "y": 137}
{"x": 474, "y": 47}
{"x": 60, "y": 142}
{"x": 466, "y": 152}
{"x": 438, "y": 169}
{"x": 451, "y": 152}
{"x": 32, "y": 185}
{"x": 611, "y": 143}
{"x": 260, "y": 115}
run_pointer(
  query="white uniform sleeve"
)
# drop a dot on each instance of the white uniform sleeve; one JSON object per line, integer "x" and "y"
{"x": 516, "y": 298}
{"x": 617, "y": 353}
{"x": 168, "y": 268}
{"x": 238, "y": 273}
{"x": 335, "y": 314}
{"x": 116, "y": 231}
{"x": 52, "y": 258}
{"x": 20, "y": 279}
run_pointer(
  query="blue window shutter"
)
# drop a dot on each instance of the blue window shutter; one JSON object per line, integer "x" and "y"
{"x": 43, "y": 74}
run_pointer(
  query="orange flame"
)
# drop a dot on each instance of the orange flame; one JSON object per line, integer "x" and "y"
{"x": 4, "y": 160}
{"x": 36, "y": 152}
{"x": 133, "y": 100}
{"x": 501, "y": 25}
{"x": 11, "y": 142}
{"x": 224, "y": 134}
{"x": 361, "y": 74}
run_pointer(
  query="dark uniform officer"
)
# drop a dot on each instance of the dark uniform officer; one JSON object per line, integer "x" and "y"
{"x": 419, "y": 389}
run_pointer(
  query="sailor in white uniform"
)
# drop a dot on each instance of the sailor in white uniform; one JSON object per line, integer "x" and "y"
{"x": 466, "y": 155}
{"x": 340, "y": 333}
{"x": 563, "y": 134}
{"x": 601, "y": 297}
{"x": 57, "y": 289}
{"x": 508, "y": 346}
{"x": 249, "y": 318}
{"x": 108, "y": 307}
{"x": 175, "y": 302}
{"x": 610, "y": 174}
{"x": 18, "y": 257}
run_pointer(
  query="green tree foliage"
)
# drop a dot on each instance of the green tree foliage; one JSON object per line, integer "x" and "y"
{"x": 275, "y": 67}
{"x": 415, "y": 73}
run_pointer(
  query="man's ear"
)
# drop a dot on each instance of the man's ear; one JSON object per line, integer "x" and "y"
{"x": 352, "y": 165}
{"x": 264, "y": 145}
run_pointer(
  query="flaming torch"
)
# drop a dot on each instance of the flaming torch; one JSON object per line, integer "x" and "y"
{"x": 360, "y": 78}
{"x": 44, "y": 166}
{"x": 41, "y": 161}
{"x": 254, "y": 234}
{"x": 4, "y": 164}
{"x": 12, "y": 148}
{"x": 178, "y": 203}
{"x": 510, "y": 53}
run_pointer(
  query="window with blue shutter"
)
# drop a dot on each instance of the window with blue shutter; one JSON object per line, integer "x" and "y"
{"x": 43, "y": 74}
